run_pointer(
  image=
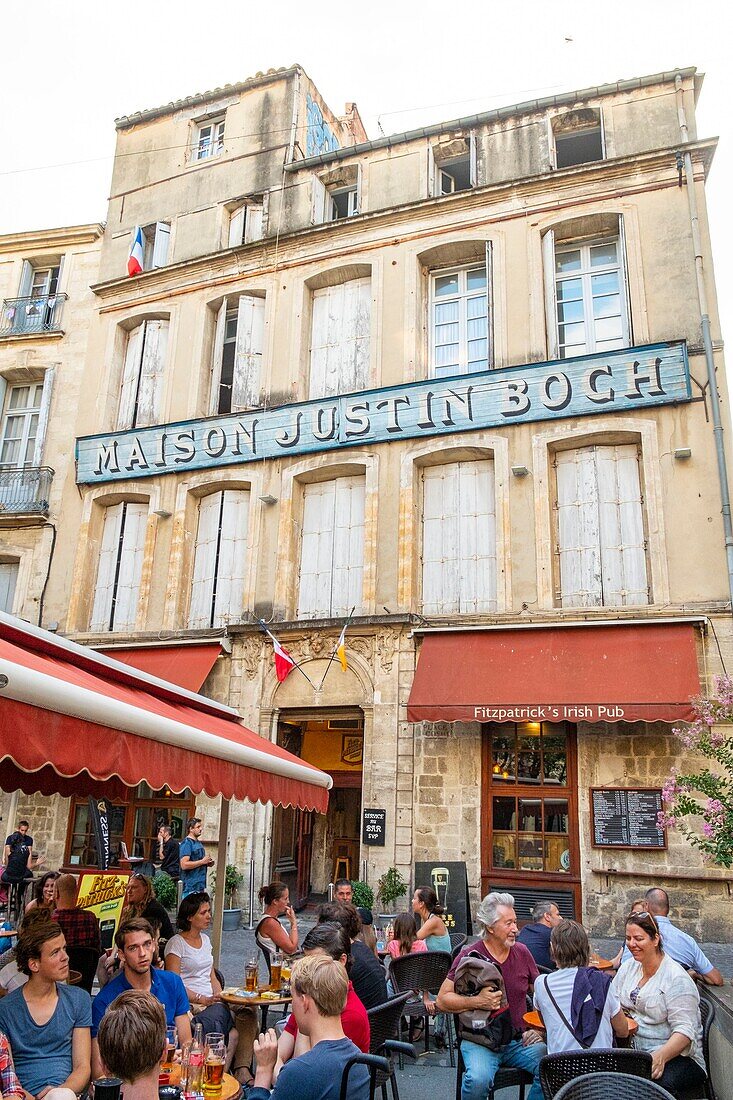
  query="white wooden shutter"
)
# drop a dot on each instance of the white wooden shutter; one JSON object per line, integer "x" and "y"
{"x": 473, "y": 164}
{"x": 340, "y": 334}
{"x": 548, "y": 265}
{"x": 578, "y": 528}
{"x": 431, "y": 172}
{"x": 26, "y": 280}
{"x": 623, "y": 274}
{"x": 106, "y": 569}
{"x": 348, "y": 545}
{"x": 160, "y": 246}
{"x": 253, "y": 223}
{"x": 459, "y": 538}
{"x": 318, "y": 201}
{"x": 204, "y": 565}
{"x": 248, "y": 352}
{"x": 316, "y": 552}
{"x": 152, "y": 366}
{"x": 131, "y": 376}
{"x": 229, "y": 600}
{"x": 217, "y": 356}
{"x": 621, "y": 524}
{"x": 48, "y": 378}
{"x": 265, "y": 212}
{"x": 236, "y": 226}
{"x": 489, "y": 257}
{"x": 8, "y": 581}
{"x": 132, "y": 553}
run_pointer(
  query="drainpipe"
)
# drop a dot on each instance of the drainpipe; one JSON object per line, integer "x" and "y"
{"x": 706, "y": 338}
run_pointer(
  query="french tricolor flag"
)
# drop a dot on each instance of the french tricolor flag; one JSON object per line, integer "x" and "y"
{"x": 284, "y": 663}
{"x": 137, "y": 247}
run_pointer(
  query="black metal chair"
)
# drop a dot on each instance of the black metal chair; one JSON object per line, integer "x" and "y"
{"x": 458, "y": 940}
{"x": 424, "y": 972}
{"x": 544, "y": 969}
{"x": 506, "y": 1076}
{"x": 612, "y": 1086}
{"x": 557, "y": 1069}
{"x": 707, "y": 1015}
{"x": 84, "y": 959}
{"x": 374, "y": 1064}
{"x": 384, "y": 1025}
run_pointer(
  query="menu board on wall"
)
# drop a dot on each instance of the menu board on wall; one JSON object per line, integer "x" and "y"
{"x": 626, "y": 817}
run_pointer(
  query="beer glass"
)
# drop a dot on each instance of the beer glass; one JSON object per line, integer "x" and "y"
{"x": 214, "y": 1063}
{"x": 276, "y": 970}
{"x": 171, "y": 1043}
{"x": 251, "y": 974}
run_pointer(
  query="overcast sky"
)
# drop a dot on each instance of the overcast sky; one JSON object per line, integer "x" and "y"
{"x": 69, "y": 69}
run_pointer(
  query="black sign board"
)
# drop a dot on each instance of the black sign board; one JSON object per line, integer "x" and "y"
{"x": 450, "y": 882}
{"x": 99, "y": 815}
{"x": 627, "y": 817}
{"x": 374, "y": 826}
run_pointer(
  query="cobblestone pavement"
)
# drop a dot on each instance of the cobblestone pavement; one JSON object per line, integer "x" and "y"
{"x": 432, "y": 1074}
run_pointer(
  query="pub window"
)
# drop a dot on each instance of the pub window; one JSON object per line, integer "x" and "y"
{"x": 530, "y": 820}
{"x": 135, "y": 823}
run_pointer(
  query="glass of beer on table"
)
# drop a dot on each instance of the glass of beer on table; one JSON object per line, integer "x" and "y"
{"x": 276, "y": 970}
{"x": 171, "y": 1045}
{"x": 214, "y": 1062}
{"x": 251, "y": 974}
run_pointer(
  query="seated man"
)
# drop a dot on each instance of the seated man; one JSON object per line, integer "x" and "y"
{"x": 367, "y": 973}
{"x": 498, "y": 944}
{"x": 536, "y": 936}
{"x": 47, "y": 1021}
{"x": 134, "y": 941}
{"x": 679, "y": 945}
{"x": 80, "y": 927}
{"x": 131, "y": 1040}
{"x": 319, "y": 985}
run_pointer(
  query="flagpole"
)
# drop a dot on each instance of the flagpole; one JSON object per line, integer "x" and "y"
{"x": 335, "y": 649}
{"x": 295, "y": 663}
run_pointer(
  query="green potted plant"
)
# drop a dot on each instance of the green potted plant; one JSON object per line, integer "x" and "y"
{"x": 232, "y": 916}
{"x": 363, "y": 895}
{"x": 390, "y": 887}
{"x": 165, "y": 891}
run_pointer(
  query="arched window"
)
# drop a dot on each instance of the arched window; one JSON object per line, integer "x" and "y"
{"x": 143, "y": 370}
{"x": 120, "y": 568}
{"x": 220, "y": 559}
{"x": 238, "y": 347}
{"x": 332, "y": 548}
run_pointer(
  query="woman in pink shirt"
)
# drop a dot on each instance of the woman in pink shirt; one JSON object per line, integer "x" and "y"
{"x": 404, "y": 937}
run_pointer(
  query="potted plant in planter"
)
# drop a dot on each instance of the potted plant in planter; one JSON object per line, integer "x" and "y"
{"x": 232, "y": 916}
{"x": 390, "y": 887}
{"x": 363, "y": 895}
{"x": 165, "y": 891}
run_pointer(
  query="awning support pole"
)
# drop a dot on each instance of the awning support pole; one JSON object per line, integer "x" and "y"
{"x": 221, "y": 867}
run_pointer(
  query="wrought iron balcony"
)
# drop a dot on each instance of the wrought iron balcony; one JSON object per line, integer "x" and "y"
{"x": 25, "y": 490}
{"x": 27, "y": 316}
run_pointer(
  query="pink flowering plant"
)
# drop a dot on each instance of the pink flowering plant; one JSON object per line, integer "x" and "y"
{"x": 706, "y": 796}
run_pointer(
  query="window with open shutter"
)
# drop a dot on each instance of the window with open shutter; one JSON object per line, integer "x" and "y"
{"x": 248, "y": 352}
{"x": 601, "y": 543}
{"x": 120, "y": 567}
{"x": 340, "y": 338}
{"x": 332, "y": 548}
{"x": 142, "y": 375}
{"x": 8, "y": 582}
{"x": 217, "y": 591}
{"x": 459, "y": 539}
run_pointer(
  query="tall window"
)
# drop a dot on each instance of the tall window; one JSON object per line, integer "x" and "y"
{"x": 336, "y": 195}
{"x": 601, "y": 545}
{"x": 459, "y": 539}
{"x": 247, "y": 221}
{"x": 217, "y": 592}
{"x": 578, "y": 137}
{"x": 589, "y": 293}
{"x": 459, "y": 309}
{"x": 332, "y": 548}
{"x": 340, "y": 338}
{"x": 209, "y": 139}
{"x": 452, "y": 166}
{"x": 238, "y": 346}
{"x": 8, "y": 582}
{"x": 142, "y": 375}
{"x": 120, "y": 567}
{"x": 20, "y": 425}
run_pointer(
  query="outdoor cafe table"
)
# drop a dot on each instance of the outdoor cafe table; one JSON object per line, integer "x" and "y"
{"x": 237, "y": 1001}
{"x": 534, "y": 1019}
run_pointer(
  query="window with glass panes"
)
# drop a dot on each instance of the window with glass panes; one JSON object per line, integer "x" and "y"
{"x": 460, "y": 321}
{"x": 136, "y": 822}
{"x": 20, "y": 425}
{"x": 209, "y": 139}
{"x": 590, "y": 298}
{"x": 529, "y": 799}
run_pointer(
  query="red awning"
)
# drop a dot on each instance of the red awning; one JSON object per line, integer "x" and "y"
{"x": 185, "y": 665}
{"x": 75, "y": 721}
{"x": 606, "y": 673}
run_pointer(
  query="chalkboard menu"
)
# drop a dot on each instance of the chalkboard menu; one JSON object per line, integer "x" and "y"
{"x": 626, "y": 817}
{"x": 450, "y": 882}
{"x": 373, "y": 827}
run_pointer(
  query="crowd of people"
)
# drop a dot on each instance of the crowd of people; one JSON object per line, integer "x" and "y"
{"x": 54, "y": 1038}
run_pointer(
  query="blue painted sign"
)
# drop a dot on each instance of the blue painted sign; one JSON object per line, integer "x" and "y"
{"x": 617, "y": 382}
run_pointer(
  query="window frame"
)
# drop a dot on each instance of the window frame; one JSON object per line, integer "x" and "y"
{"x": 576, "y": 131}
{"x": 218, "y": 616}
{"x": 156, "y": 245}
{"x": 26, "y": 414}
{"x": 312, "y": 610}
{"x": 10, "y": 567}
{"x": 462, "y": 270}
{"x": 129, "y": 550}
{"x": 215, "y": 146}
{"x": 249, "y": 362}
{"x": 363, "y": 295}
{"x": 244, "y": 211}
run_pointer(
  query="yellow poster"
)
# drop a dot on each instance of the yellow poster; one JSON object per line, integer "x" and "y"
{"x": 103, "y": 893}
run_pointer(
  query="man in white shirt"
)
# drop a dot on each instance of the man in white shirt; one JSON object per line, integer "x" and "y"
{"x": 678, "y": 944}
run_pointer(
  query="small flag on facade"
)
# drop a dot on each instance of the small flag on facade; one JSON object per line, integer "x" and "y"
{"x": 137, "y": 249}
{"x": 284, "y": 663}
{"x": 341, "y": 649}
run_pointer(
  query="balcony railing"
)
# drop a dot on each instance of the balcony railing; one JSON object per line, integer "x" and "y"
{"x": 26, "y": 316}
{"x": 25, "y": 491}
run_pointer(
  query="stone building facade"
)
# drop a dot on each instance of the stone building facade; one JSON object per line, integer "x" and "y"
{"x": 448, "y": 387}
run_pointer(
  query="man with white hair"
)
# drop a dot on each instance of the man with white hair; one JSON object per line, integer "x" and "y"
{"x": 498, "y": 944}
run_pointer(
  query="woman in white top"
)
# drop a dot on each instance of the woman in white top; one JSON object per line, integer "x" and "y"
{"x": 275, "y": 900}
{"x": 579, "y": 1008}
{"x": 663, "y": 999}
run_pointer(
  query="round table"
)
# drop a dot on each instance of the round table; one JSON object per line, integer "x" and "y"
{"x": 256, "y": 1000}
{"x": 534, "y": 1019}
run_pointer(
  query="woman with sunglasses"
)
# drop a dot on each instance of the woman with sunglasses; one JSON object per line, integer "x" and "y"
{"x": 661, "y": 996}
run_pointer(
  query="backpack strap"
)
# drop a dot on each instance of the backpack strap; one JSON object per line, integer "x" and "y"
{"x": 563, "y": 1017}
